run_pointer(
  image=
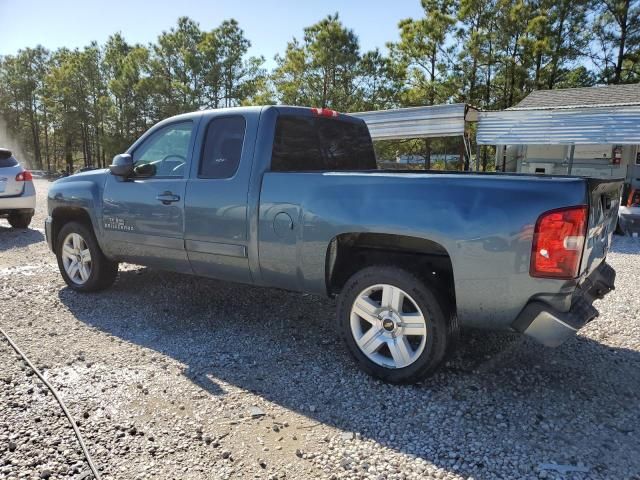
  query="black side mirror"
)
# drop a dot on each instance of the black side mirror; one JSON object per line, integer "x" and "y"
{"x": 122, "y": 165}
{"x": 145, "y": 170}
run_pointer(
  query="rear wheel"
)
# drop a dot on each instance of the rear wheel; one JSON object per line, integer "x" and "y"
{"x": 393, "y": 324}
{"x": 19, "y": 220}
{"x": 80, "y": 260}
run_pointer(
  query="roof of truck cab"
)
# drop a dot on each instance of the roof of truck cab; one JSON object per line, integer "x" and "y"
{"x": 282, "y": 109}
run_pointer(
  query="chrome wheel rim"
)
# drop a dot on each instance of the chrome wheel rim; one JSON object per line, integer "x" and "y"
{"x": 76, "y": 258}
{"x": 388, "y": 326}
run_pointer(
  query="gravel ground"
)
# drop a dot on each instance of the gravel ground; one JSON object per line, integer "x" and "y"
{"x": 177, "y": 377}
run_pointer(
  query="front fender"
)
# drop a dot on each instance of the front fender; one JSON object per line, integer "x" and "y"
{"x": 76, "y": 197}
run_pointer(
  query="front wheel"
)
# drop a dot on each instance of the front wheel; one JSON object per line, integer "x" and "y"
{"x": 81, "y": 262}
{"x": 392, "y": 324}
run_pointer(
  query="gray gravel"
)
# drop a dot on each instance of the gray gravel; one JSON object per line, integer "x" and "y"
{"x": 172, "y": 376}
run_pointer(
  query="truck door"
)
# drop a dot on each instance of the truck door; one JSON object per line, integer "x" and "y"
{"x": 143, "y": 216}
{"x": 216, "y": 221}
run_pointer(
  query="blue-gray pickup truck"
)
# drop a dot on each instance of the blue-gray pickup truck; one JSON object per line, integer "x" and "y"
{"x": 290, "y": 197}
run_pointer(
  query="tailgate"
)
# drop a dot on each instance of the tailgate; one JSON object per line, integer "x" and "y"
{"x": 604, "y": 201}
{"x": 9, "y": 187}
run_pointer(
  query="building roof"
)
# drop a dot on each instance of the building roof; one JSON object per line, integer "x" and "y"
{"x": 605, "y": 96}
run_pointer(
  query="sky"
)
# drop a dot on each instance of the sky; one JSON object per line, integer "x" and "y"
{"x": 268, "y": 24}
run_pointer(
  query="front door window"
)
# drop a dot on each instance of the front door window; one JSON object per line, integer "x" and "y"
{"x": 165, "y": 153}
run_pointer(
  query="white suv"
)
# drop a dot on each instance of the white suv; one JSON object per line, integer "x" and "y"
{"x": 17, "y": 193}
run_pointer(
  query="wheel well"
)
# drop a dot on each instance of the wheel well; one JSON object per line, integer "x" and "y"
{"x": 62, "y": 216}
{"x": 351, "y": 252}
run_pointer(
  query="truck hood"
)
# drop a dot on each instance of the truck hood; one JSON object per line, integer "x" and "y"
{"x": 97, "y": 176}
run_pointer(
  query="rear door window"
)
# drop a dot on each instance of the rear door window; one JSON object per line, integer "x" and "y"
{"x": 304, "y": 143}
{"x": 222, "y": 147}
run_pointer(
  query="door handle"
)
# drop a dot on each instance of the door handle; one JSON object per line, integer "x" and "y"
{"x": 167, "y": 198}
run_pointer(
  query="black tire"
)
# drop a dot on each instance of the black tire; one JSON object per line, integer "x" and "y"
{"x": 19, "y": 220}
{"x": 437, "y": 325}
{"x": 618, "y": 230}
{"x": 103, "y": 271}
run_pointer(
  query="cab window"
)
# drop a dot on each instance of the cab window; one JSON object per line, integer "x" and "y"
{"x": 165, "y": 153}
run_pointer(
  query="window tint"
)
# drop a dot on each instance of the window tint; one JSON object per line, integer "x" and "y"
{"x": 165, "y": 153}
{"x": 222, "y": 147}
{"x": 307, "y": 143}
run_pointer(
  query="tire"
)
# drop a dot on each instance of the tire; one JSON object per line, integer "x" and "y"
{"x": 97, "y": 273}
{"x": 19, "y": 220}
{"x": 400, "y": 357}
{"x": 618, "y": 230}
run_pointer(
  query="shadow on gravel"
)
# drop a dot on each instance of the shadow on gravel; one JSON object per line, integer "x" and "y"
{"x": 499, "y": 393}
{"x": 18, "y": 237}
{"x": 625, "y": 244}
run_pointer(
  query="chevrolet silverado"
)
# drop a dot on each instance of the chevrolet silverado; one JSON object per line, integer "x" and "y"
{"x": 290, "y": 197}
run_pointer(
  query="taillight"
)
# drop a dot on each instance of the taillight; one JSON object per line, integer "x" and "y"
{"x": 558, "y": 241}
{"x": 324, "y": 112}
{"x": 24, "y": 176}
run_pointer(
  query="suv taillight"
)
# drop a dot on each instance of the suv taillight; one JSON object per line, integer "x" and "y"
{"x": 558, "y": 241}
{"x": 24, "y": 176}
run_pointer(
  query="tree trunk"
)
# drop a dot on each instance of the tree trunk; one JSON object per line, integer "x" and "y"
{"x": 427, "y": 154}
{"x": 487, "y": 94}
{"x": 538, "y": 67}
{"x": 68, "y": 155}
{"x": 556, "y": 52}
{"x": 512, "y": 80}
{"x": 623, "y": 39}
{"x": 484, "y": 159}
{"x": 46, "y": 138}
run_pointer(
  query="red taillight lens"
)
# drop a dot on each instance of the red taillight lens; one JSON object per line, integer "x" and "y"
{"x": 24, "y": 176}
{"x": 558, "y": 241}
{"x": 324, "y": 112}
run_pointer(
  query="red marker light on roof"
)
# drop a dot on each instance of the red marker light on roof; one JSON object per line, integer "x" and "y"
{"x": 325, "y": 112}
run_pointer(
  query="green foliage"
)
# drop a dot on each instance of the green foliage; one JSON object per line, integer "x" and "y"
{"x": 80, "y": 107}
{"x": 617, "y": 48}
{"x": 322, "y": 70}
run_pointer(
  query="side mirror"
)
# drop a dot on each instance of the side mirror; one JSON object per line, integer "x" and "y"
{"x": 145, "y": 170}
{"x": 122, "y": 165}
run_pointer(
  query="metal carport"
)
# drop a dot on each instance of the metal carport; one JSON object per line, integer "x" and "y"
{"x": 421, "y": 122}
{"x": 618, "y": 125}
{"x": 592, "y": 125}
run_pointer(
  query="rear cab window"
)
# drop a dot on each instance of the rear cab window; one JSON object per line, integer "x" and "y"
{"x": 304, "y": 143}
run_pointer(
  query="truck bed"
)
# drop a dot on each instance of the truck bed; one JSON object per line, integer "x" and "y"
{"x": 484, "y": 222}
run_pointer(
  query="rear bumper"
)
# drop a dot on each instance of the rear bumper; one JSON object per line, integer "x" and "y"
{"x": 25, "y": 201}
{"x": 552, "y": 327}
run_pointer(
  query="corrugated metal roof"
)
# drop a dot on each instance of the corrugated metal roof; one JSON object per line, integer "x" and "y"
{"x": 607, "y": 95}
{"x": 604, "y": 125}
{"x": 416, "y": 122}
